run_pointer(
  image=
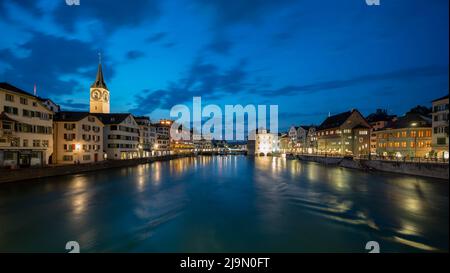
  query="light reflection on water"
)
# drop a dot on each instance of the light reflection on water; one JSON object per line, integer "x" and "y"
{"x": 226, "y": 203}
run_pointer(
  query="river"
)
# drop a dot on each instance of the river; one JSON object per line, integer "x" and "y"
{"x": 226, "y": 204}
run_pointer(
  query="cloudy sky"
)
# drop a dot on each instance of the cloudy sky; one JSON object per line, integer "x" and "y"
{"x": 310, "y": 57}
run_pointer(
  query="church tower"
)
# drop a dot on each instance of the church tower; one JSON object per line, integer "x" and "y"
{"x": 99, "y": 95}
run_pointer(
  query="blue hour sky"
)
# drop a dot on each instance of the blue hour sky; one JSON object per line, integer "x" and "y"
{"x": 309, "y": 57}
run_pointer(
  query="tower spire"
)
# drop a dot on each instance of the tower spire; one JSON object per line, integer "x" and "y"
{"x": 99, "y": 81}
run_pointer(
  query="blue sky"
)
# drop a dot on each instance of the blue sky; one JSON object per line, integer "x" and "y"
{"x": 309, "y": 57}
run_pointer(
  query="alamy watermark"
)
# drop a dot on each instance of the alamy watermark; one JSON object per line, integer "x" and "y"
{"x": 209, "y": 122}
{"x": 73, "y": 2}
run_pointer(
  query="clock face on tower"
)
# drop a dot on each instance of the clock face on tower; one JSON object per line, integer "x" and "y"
{"x": 105, "y": 96}
{"x": 96, "y": 94}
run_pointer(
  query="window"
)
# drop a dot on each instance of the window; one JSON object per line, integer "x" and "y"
{"x": 404, "y": 134}
{"x": 45, "y": 143}
{"x": 25, "y": 143}
{"x": 421, "y": 134}
{"x": 412, "y": 144}
{"x": 36, "y": 143}
{"x": 69, "y": 126}
{"x": 9, "y": 155}
{"x": 9, "y": 97}
{"x": 413, "y": 134}
{"x": 68, "y": 158}
{"x": 11, "y": 110}
{"x": 428, "y": 133}
{"x": 86, "y": 157}
{"x": 441, "y": 141}
{"x": 23, "y": 101}
{"x": 404, "y": 144}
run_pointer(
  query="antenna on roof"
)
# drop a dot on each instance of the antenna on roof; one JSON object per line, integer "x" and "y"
{"x": 99, "y": 57}
{"x": 34, "y": 90}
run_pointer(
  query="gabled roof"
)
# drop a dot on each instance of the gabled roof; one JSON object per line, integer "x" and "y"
{"x": 335, "y": 120}
{"x": 444, "y": 97}
{"x": 114, "y": 118}
{"x": 71, "y": 116}
{"x": 12, "y": 88}
{"x": 409, "y": 119}
{"x": 307, "y": 127}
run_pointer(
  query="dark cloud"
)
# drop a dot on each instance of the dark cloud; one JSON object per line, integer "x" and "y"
{"x": 227, "y": 14}
{"x": 243, "y": 11}
{"x": 28, "y": 5}
{"x": 135, "y": 54}
{"x": 156, "y": 37}
{"x": 111, "y": 14}
{"x": 221, "y": 45}
{"x": 202, "y": 79}
{"x": 169, "y": 45}
{"x": 405, "y": 75}
{"x": 50, "y": 58}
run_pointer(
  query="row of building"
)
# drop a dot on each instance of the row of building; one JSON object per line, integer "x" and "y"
{"x": 35, "y": 132}
{"x": 420, "y": 133}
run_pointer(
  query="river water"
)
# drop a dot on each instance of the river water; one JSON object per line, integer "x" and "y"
{"x": 226, "y": 204}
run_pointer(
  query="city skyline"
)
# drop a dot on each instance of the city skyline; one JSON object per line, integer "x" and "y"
{"x": 190, "y": 49}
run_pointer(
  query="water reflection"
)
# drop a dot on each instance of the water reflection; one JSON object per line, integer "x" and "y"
{"x": 227, "y": 203}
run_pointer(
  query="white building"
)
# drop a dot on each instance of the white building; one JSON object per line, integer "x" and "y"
{"x": 25, "y": 129}
{"x": 439, "y": 142}
{"x": 264, "y": 143}
{"x": 51, "y": 105}
{"x": 120, "y": 136}
{"x": 78, "y": 138}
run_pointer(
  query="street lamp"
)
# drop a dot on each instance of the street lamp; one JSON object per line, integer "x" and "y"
{"x": 77, "y": 149}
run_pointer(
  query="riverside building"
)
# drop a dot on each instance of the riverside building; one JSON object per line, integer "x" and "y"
{"x": 25, "y": 129}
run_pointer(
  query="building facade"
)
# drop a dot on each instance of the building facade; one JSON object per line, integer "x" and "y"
{"x": 344, "y": 134}
{"x": 120, "y": 136}
{"x": 440, "y": 128}
{"x": 26, "y": 128}
{"x": 264, "y": 143}
{"x": 406, "y": 138}
{"x": 378, "y": 121}
{"x": 51, "y": 105}
{"x": 78, "y": 138}
{"x": 162, "y": 142}
{"x": 145, "y": 136}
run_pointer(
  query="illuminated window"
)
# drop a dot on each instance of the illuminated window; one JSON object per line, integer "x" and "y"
{"x": 413, "y": 134}
{"x": 404, "y": 144}
{"x": 404, "y": 134}
{"x": 421, "y": 134}
{"x": 412, "y": 144}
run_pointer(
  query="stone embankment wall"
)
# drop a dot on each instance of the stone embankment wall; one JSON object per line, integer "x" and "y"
{"x": 434, "y": 170}
{"x": 32, "y": 173}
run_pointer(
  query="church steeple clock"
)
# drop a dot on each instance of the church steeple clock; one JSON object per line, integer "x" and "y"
{"x": 99, "y": 95}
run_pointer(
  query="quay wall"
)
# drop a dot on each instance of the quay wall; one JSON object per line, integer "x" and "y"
{"x": 58, "y": 170}
{"x": 426, "y": 169}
